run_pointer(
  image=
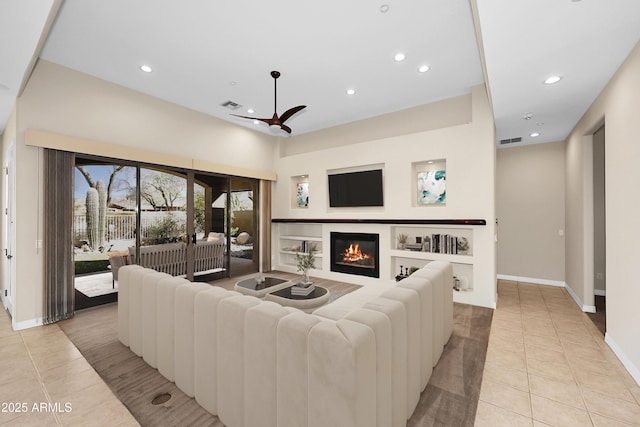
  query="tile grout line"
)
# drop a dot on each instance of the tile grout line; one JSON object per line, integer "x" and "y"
{"x": 40, "y": 380}
{"x": 571, "y": 368}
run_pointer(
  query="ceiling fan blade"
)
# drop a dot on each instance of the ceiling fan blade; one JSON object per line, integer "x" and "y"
{"x": 285, "y": 128}
{"x": 267, "y": 121}
{"x": 290, "y": 112}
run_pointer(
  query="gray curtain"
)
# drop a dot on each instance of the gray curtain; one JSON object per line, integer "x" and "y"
{"x": 58, "y": 235}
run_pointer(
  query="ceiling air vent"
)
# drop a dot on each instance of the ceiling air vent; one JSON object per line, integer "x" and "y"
{"x": 231, "y": 105}
{"x": 510, "y": 140}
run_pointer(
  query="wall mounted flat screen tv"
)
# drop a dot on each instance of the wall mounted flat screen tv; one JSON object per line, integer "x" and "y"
{"x": 356, "y": 189}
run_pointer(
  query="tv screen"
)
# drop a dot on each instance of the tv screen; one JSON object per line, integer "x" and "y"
{"x": 356, "y": 189}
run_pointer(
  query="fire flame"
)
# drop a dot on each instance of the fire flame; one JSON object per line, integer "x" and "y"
{"x": 354, "y": 254}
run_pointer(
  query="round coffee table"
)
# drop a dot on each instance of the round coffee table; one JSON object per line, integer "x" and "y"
{"x": 252, "y": 287}
{"x": 319, "y": 296}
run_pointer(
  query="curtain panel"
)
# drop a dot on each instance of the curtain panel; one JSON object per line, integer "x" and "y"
{"x": 58, "y": 235}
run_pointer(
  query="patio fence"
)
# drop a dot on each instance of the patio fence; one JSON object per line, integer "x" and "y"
{"x": 123, "y": 227}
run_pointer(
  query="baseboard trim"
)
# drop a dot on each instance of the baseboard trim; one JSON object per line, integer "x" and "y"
{"x": 626, "y": 362}
{"x": 583, "y": 307}
{"x": 600, "y": 292}
{"x": 26, "y": 324}
{"x": 533, "y": 280}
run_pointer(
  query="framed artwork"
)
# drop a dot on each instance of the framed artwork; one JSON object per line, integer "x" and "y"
{"x": 302, "y": 195}
{"x": 432, "y": 187}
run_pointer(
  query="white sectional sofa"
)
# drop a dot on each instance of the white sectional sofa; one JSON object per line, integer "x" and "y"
{"x": 362, "y": 360}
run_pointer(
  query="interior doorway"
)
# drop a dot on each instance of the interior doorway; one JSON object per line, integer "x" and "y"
{"x": 9, "y": 248}
{"x": 599, "y": 231}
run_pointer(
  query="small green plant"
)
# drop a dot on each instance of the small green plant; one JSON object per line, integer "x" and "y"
{"x": 402, "y": 240}
{"x": 306, "y": 261}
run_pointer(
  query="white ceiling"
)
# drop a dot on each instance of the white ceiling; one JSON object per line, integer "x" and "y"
{"x": 197, "y": 48}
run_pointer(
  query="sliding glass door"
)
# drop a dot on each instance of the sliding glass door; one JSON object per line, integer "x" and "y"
{"x": 104, "y": 227}
{"x": 198, "y": 225}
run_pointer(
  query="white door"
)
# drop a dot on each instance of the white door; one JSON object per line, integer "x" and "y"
{"x": 9, "y": 244}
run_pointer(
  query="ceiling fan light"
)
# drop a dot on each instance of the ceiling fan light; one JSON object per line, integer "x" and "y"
{"x": 553, "y": 79}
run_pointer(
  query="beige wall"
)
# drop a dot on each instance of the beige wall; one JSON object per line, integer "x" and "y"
{"x": 59, "y": 101}
{"x": 530, "y": 208}
{"x": 618, "y": 106}
{"x": 469, "y": 150}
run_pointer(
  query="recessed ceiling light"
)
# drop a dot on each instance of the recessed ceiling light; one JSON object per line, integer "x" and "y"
{"x": 527, "y": 116}
{"x": 256, "y": 122}
{"x": 232, "y": 83}
{"x": 351, "y": 91}
{"x": 384, "y": 8}
{"x": 250, "y": 111}
{"x": 534, "y": 134}
{"x": 399, "y": 57}
{"x": 424, "y": 68}
{"x": 146, "y": 68}
{"x": 553, "y": 79}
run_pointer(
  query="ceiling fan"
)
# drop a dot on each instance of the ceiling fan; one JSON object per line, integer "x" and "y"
{"x": 275, "y": 121}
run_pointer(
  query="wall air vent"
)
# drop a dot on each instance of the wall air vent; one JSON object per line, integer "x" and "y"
{"x": 231, "y": 105}
{"x": 510, "y": 140}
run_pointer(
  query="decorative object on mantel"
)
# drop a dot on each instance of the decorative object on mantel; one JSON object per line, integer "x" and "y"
{"x": 408, "y": 271}
{"x": 462, "y": 245}
{"x": 402, "y": 241}
{"x": 432, "y": 187}
{"x": 306, "y": 261}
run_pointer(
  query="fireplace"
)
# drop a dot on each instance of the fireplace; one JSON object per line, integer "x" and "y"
{"x": 355, "y": 253}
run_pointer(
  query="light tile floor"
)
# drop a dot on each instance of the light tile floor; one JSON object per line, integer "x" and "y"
{"x": 547, "y": 364}
{"x": 45, "y": 381}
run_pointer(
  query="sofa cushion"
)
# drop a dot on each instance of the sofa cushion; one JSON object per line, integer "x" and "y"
{"x": 150, "y": 317}
{"x": 424, "y": 288}
{"x": 166, "y": 325}
{"x": 184, "y": 335}
{"x": 206, "y": 346}
{"x": 123, "y": 302}
{"x": 292, "y": 369}
{"x": 135, "y": 308}
{"x": 231, "y": 333}
{"x": 411, "y": 302}
{"x": 396, "y": 313}
{"x": 342, "y": 374}
{"x": 381, "y": 327}
{"x": 260, "y": 363}
{"x": 446, "y": 270}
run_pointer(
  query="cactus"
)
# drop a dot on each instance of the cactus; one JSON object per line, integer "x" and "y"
{"x": 102, "y": 213}
{"x": 92, "y": 217}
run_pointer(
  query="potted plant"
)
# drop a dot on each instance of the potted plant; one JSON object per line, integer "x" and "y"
{"x": 402, "y": 240}
{"x": 306, "y": 261}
